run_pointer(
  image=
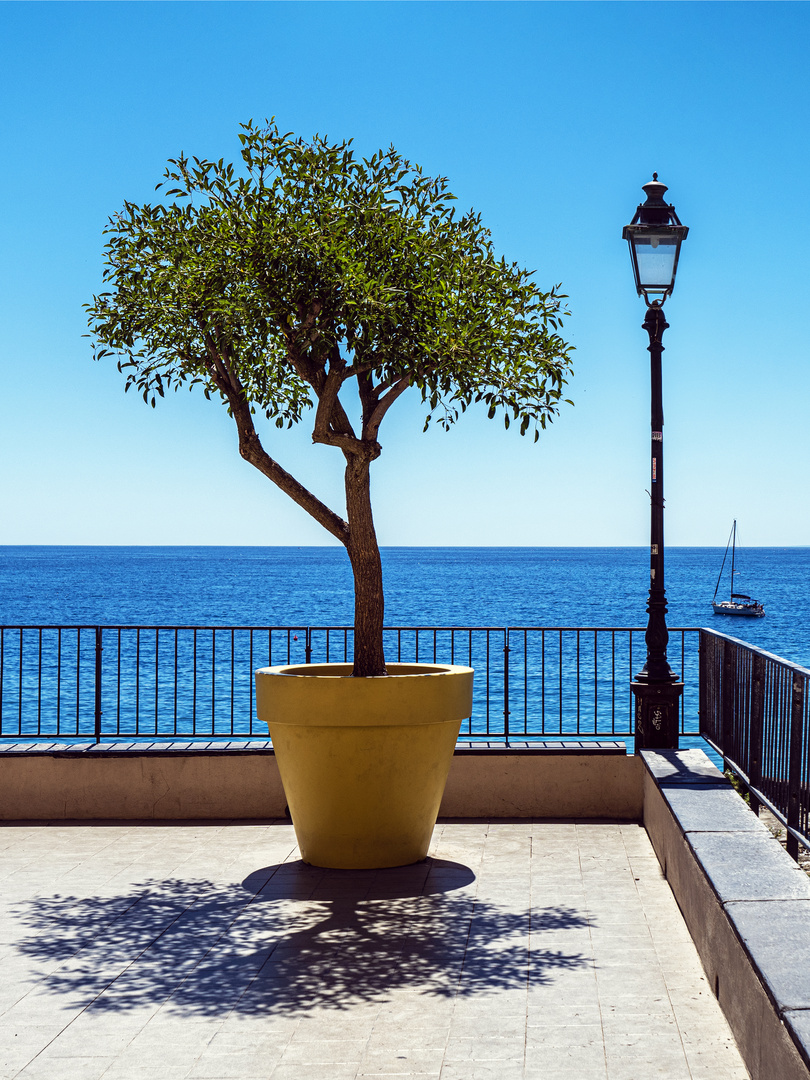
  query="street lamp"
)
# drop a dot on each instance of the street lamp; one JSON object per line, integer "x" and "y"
{"x": 655, "y": 236}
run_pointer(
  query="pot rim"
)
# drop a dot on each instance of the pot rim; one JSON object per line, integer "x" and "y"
{"x": 344, "y": 671}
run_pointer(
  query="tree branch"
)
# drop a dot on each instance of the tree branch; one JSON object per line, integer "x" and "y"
{"x": 220, "y": 369}
{"x": 365, "y": 390}
{"x": 372, "y": 426}
{"x": 332, "y": 426}
{"x": 251, "y": 449}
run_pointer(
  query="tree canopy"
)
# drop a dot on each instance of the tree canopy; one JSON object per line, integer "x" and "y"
{"x": 277, "y": 285}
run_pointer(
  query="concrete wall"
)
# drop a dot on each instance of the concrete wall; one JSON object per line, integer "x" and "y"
{"x": 131, "y": 785}
{"x": 97, "y": 784}
{"x": 545, "y": 785}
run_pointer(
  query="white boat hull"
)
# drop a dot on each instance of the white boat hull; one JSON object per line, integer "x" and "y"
{"x": 728, "y": 607}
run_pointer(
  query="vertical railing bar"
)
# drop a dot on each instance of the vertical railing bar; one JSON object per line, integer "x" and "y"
{"x": 770, "y": 699}
{"x": 506, "y": 686}
{"x": 250, "y": 683}
{"x": 578, "y": 679}
{"x": 97, "y": 708}
{"x": 214, "y": 676}
{"x": 595, "y": 682}
{"x": 613, "y": 681}
{"x": 795, "y": 762}
{"x": 703, "y": 684}
{"x": 194, "y": 683}
{"x": 39, "y": 683}
{"x": 632, "y": 715}
{"x": 543, "y": 681}
{"x": 20, "y": 686}
{"x": 727, "y": 698}
{"x": 488, "y": 727}
{"x": 525, "y": 682}
{"x": 157, "y": 670}
{"x": 780, "y": 703}
{"x": 756, "y": 728}
{"x": 176, "y": 633}
{"x": 58, "y": 679}
{"x": 78, "y": 673}
{"x": 233, "y": 659}
{"x": 118, "y": 689}
{"x": 561, "y": 682}
{"x": 138, "y": 681}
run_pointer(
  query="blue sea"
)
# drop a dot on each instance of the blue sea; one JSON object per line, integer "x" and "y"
{"x": 162, "y": 683}
{"x": 261, "y": 586}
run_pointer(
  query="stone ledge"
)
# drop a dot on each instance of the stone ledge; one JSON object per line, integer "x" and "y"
{"x": 746, "y": 903}
{"x": 110, "y": 747}
{"x": 123, "y": 747}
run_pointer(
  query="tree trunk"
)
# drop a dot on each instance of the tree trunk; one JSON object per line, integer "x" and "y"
{"x": 364, "y": 555}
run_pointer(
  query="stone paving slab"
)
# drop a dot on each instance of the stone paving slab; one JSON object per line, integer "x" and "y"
{"x": 209, "y": 951}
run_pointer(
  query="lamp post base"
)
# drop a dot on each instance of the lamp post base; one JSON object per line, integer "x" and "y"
{"x": 657, "y": 714}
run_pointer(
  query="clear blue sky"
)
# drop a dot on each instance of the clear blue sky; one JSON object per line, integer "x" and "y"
{"x": 547, "y": 118}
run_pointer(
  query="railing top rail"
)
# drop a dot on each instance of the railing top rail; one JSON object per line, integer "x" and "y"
{"x": 760, "y": 652}
{"x": 331, "y": 626}
{"x": 153, "y": 626}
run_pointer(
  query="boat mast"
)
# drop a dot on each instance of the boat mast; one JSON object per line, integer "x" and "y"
{"x": 723, "y": 565}
{"x": 733, "y": 550}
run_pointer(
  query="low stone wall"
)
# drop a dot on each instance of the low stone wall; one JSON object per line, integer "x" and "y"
{"x": 175, "y": 781}
{"x": 545, "y": 782}
{"x": 130, "y": 782}
{"x": 745, "y": 902}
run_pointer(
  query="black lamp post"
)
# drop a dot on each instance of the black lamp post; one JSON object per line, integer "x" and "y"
{"x": 655, "y": 236}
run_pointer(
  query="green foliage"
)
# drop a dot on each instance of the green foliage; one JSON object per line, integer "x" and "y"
{"x": 281, "y": 281}
{"x": 739, "y": 786}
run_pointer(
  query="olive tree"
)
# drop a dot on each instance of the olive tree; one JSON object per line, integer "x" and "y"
{"x": 308, "y": 274}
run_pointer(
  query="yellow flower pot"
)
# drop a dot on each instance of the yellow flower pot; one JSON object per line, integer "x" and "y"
{"x": 364, "y": 761}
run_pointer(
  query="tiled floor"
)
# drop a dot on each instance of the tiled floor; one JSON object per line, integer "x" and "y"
{"x": 210, "y": 952}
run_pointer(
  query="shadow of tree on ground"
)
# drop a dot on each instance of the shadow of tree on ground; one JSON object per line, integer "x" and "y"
{"x": 291, "y": 937}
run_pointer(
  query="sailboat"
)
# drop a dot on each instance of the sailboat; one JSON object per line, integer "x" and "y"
{"x": 738, "y": 603}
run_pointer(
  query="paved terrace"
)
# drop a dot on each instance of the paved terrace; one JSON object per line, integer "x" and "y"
{"x": 149, "y": 951}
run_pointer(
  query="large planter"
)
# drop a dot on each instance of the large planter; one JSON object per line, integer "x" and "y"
{"x": 364, "y": 761}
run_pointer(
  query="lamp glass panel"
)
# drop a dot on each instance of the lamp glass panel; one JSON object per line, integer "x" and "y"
{"x": 656, "y": 258}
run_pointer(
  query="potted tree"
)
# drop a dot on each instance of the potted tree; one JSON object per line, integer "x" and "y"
{"x": 279, "y": 288}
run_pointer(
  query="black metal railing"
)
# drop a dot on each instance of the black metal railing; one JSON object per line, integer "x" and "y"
{"x": 191, "y": 682}
{"x": 755, "y": 711}
{"x": 101, "y": 682}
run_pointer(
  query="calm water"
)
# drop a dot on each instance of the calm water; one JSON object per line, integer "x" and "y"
{"x": 424, "y": 586}
{"x": 154, "y": 683}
